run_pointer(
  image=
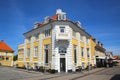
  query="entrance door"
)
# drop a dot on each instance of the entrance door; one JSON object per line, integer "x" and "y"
{"x": 62, "y": 64}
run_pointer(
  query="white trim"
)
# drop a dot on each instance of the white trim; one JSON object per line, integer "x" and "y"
{"x": 40, "y": 51}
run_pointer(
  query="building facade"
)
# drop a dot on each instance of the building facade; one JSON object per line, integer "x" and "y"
{"x": 6, "y": 54}
{"x": 57, "y": 44}
{"x": 100, "y": 54}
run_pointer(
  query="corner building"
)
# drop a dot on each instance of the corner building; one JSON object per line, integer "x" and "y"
{"x": 6, "y": 54}
{"x": 57, "y": 44}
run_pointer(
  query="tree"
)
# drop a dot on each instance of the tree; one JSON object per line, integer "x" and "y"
{"x": 15, "y": 57}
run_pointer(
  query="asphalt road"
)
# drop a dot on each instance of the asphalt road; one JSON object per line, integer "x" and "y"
{"x": 7, "y": 73}
{"x": 107, "y": 74}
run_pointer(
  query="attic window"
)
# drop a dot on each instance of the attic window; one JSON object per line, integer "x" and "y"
{"x": 61, "y": 17}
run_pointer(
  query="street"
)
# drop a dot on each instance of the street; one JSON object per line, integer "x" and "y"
{"x": 7, "y": 73}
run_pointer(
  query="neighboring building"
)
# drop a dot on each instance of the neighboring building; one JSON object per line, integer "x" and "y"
{"x": 57, "y": 44}
{"x": 110, "y": 58}
{"x": 100, "y": 54}
{"x": 116, "y": 57}
{"x": 6, "y": 54}
{"x": 109, "y": 55}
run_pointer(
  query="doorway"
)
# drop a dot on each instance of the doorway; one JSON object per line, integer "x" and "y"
{"x": 62, "y": 65}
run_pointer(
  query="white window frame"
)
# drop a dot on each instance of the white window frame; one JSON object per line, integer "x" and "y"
{"x": 62, "y": 28}
{"x": 28, "y": 52}
{"x": 47, "y": 32}
{"x": 36, "y": 51}
{"x": 28, "y": 39}
{"x": 36, "y": 37}
{"x": 88, "y": 54}
{"x": 74, "y": 34}
{"x": 82, "y": 51}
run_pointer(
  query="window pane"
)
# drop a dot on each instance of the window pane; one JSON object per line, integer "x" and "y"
{"x": 36, "y": 51}
{"x": 62, "y": 29}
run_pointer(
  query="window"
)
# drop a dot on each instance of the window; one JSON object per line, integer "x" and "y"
{"x": 21, "y": 53}
{"x": 47, "y": 33}
{"x": 62, "y": 50}
{"x": 82, "y": 51}
{"x": 75, "y": 54}
{"x": 88, "y": 55}
{"x": 74, "y": 34}
{"x": 46, "y": 55}
{"x": 87, "y": 41}
{"x": 61, "y": 17}
{"x": 36, "y": 51}
{"x": 36, "y": 37}
{"x": 0, "y": 58}
{"x": 47, "y": 49}
{"x": 28, "y": 39}
{"x": 28, "y": 52}
{"x": 7, "y": 58}
{"x": 81, "y": 38}
{"x": 62, "y": 29}
{"x": 83, "y": 65}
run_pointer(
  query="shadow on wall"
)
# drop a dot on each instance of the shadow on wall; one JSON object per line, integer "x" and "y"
{"x": 116, "y": 77}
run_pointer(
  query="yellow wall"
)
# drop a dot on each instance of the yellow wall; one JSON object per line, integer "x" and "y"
{"x": 7, "y": 62}
{"x": 92, "y": 43}
{"x": 82, "y": 44}
{"x": 21, "y": 64}
{"x": 35, "y": 58}
{"x": 74, "y": 41}
{"x": 36, "y": 43}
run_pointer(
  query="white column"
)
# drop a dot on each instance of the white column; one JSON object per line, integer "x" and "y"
{"x": 31, "y": 48}
{"x": 79, "y": 52}
{"x": 25, "y": 51}
{"x": 40, "y": 54}
{"x": 69, "y": 52}
{"x": 90, "y": 51}
{"x": 85, "y": 50}
{"x": 53, "y": 49}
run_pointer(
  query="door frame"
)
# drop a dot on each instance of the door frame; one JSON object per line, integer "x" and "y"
{"x": 64, "y": 64}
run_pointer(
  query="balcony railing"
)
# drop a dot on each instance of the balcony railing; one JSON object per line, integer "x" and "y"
{"x": 62, "y": 36}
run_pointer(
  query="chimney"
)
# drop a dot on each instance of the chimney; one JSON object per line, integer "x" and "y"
{"x": 2, "y": 40}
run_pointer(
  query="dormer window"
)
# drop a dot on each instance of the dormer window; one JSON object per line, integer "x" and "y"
{"x": 61, "y": 17}
{"x": 61, "y": 14}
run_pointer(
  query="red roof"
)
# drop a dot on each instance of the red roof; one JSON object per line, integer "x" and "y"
{"x": 5, "y": 47}
{"x": 55, "y": 17}
{"x": 115, "y": 57}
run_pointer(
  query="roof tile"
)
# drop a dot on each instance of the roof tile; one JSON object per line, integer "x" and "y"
{"x": 5, "y": 47}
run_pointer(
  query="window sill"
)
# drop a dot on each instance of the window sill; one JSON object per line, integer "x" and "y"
{"x": 47, "y": 37}
{"x": 35, "y": 57}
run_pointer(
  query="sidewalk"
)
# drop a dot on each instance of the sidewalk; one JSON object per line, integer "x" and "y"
{"x": 73, "y": 76}
{"x": 63, "y": 76}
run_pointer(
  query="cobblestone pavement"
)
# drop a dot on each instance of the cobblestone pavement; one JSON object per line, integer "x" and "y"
{"x": 7, "y": 73}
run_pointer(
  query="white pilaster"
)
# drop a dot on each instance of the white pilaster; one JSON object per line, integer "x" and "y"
{"x": 40, "y": 53}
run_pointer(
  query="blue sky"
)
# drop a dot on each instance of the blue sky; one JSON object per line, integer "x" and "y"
{"x": 101, "y": 18}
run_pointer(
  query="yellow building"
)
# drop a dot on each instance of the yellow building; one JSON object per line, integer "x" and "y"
{"x": 6, "y": 54}
{"x": 57, "y": 44}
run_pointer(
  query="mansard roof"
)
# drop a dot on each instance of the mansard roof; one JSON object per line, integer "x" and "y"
{"x": 54, "y": 19}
